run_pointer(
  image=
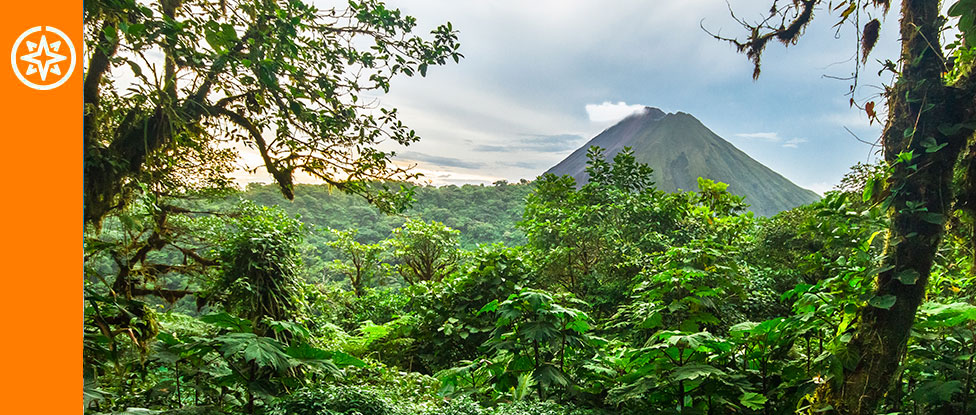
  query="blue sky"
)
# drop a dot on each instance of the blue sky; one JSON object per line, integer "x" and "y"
{"x": 542, "y": 77}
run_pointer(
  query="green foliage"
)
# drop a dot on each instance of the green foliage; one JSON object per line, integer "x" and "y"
{"x": 263, "y": 352}
{"x": 234, "y": 70}
{"x": 341, "y": 400}
{"x": 717, "y": 198}
{"x": 939, "y": 371}
{"x": 624, "y": 173}
{"x": 778, "y": 253}
{"x": 361, "y": 262}
{"x": 483, "y": 214}
{"x": 685, "y": 305}
{"x": 412, "y": 392}
{"x": 426, "y": 251}
{"x": 466, "y": 406}
{"x": 451, "y": 328}
{"x": 378, "y": 306}
{"x": 586, "y": 240}
{"x": 963, "y": 48}
{"x": 674, "y": 369}
{"x": 259, "y": 278}
{"x": 463, "y": 406}
{"x": 691, "y": 287}
{"x": 535, "y": 336}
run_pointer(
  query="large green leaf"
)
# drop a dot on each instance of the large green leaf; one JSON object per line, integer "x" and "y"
{"x": 373, "y": 332}
{"x": 264, "y": 351}
{"x": 492, "y": 306}
{"x": 314, "y": 357}
{"x": 233, "y": 343}
{"x": 578, "y": 325}
{"x": 228, "y": 321}
{"x": 882, "y": 301}
{"x": 521, "y": 364}
{"x": 536, "y": 300}
{"x": 936, "y": 391}
{"x": 947, "y": 315}
{"x": 695, "y": 371}
{"x": 167, "y": 339}
{"x": 742, "y": 329}
{"x": 343, "y": 359}
{"x": 752, "y": 400}
{"x": 267, "y": 352}
{"x": 548, "y": 375}
{"x": 295, "y": 329}
{"x": 540, "y": 331}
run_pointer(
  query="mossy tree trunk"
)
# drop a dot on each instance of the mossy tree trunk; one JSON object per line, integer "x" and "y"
{"x": 929, "y": 124}
{"x": 922, "y": 108}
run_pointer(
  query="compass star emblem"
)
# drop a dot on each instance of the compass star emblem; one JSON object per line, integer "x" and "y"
{"x": 43, "y": 57}
{"x": 38, "y": 63}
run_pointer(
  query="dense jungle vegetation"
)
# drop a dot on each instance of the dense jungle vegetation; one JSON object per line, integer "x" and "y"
{"x": 483, "y": 214}
{"x": 541, "y": 297}
{"x": 623, "y": 299}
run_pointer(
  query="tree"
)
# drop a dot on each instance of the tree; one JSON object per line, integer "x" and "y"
{"x": 260, "y": 262}
{"x": 282, "y": 78}
{"x": 861, "y": 176}
{"x": 450, "y": 328}
{"x": 585, "y": 239}
{"x": 537, "y": 333}
{"x": 716, "y": 197}
{"x": 931, "y": 117}
{"x": 560, "y": 232}
{"x": 362, "y": 262}
{"x": 142, "y": 251}
{"x": 427, "y": 251}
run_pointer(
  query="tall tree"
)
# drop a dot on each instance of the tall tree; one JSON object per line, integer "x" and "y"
{"x": 259, "y": 260}
{"x": 362, "y": 263}
{"x": 172, "y": 86}
{"x": 931, "y": 114}
{"x": 587, "y": 239}
{"x": 426, "y": 251}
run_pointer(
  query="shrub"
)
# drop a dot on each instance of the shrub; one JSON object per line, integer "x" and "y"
{"x": 466, "y": 406}
{"x": 336, "y": 400}
{"x": 461, "y": 406}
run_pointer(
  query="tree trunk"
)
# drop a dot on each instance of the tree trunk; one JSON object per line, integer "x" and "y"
{"x": 110, "y": 162}
{"x": 919, "y": 199}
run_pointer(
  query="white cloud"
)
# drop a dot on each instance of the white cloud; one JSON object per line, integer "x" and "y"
{"x": 794, "y": 142}
{"x": 771, "y": 137}
{"x": 608, "y": 111}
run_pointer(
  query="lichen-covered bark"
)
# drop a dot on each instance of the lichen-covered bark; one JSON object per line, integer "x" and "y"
{"x": 920, "y": 106}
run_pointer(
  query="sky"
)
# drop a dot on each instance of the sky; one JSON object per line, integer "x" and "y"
{"x": 540, "y": 78}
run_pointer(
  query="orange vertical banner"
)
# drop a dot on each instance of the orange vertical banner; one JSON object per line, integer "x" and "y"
{"x": 41, "y": 168}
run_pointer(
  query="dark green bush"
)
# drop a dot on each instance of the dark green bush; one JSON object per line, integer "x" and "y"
{"x": 461, "y": 406}
{"x": 451, "y": 329}
{"x": 336, "y": 400}
{"x": 466, "y": 406}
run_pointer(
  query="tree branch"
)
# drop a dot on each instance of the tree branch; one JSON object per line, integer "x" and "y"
{"x": 282, "y": 176}
{"x": 787, "y": 34}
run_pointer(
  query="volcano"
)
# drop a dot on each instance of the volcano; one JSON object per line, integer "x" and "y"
{"x": 680, "y": 149}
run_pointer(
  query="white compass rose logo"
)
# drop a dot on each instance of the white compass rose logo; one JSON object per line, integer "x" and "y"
{"x": 43, "y": 58}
